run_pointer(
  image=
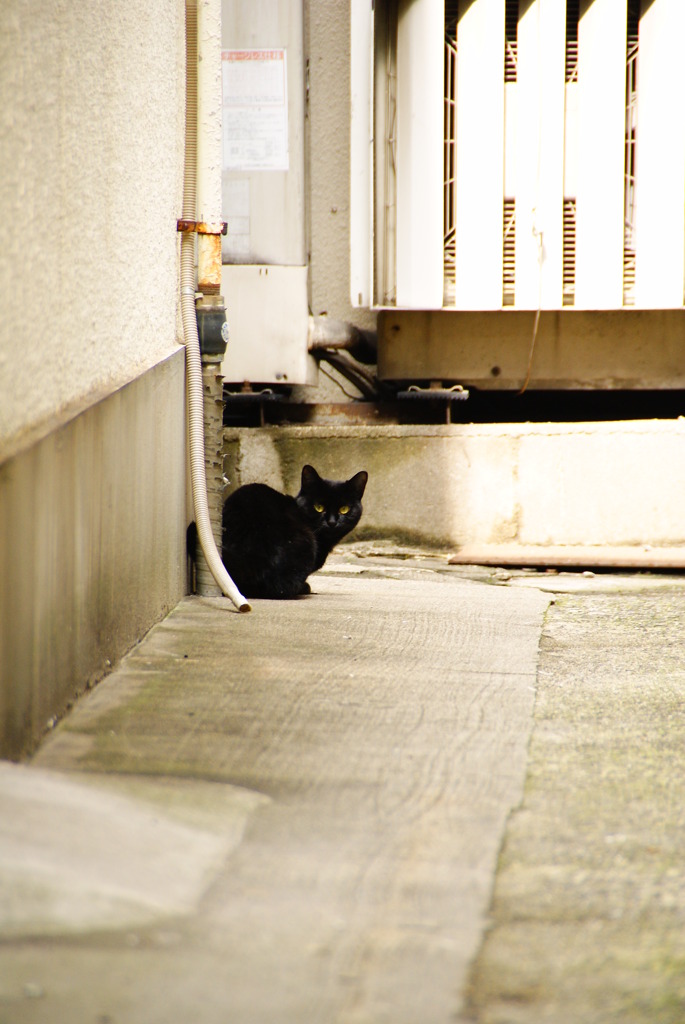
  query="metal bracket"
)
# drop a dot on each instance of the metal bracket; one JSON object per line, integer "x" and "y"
{"x": 456, "y": 393}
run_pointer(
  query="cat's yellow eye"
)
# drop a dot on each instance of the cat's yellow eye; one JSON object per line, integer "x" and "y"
{"x": 344, "y": 509}
{"x": 318, "y": 508}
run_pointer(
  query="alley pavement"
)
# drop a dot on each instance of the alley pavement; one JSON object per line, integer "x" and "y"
{"x": 424, "y": 794}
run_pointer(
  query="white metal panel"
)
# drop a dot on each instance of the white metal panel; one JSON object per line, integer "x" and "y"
{"x": 361, "y": 152}
{"x": 420, "y": 42}
{"x": 660, "y": 185}
{"x": 268, "y": 320}
{"x": 540, "y": 155}
{"x": 601, "y": 154}
{"x": 571, "y": 141}
{"x": 266, "y": 208}
{"x": 480, "y": 154}
{"x": 510, "y": 137}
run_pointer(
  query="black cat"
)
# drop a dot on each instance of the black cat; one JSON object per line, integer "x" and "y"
{"x": 272, "y": 542}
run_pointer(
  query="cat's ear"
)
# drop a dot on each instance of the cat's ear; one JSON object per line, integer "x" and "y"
{"x": 358, "y": 483}
{"x": 309, "y": 477}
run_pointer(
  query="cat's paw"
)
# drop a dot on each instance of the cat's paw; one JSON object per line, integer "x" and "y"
{"x": 306, "y": 589}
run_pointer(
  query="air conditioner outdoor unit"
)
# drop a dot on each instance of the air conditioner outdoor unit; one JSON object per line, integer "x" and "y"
{"x": 264, "y": 275}
{"x": 511, "y": 155}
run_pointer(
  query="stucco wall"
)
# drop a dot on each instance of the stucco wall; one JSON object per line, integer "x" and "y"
{"x": 91, "y": 136}
{"x": 92, "y": 410}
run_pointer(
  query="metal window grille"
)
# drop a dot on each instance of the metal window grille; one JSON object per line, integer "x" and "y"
{"x": 631, "y": 138}
{"x": 450, "y": 133}
{"x": 509, "y": 253}
{"x": 572, "y": 13}
{"x": 569, "y": 257}
{"x": 511, "y": 17}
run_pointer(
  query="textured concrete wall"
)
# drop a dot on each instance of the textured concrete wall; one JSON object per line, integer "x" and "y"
{"x": 92, "y": 547}
{"x": 91, "y": 136}
{"x": 525, "y": 484}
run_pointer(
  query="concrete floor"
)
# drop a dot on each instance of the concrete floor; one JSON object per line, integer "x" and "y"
{"x": 425, "y": 794}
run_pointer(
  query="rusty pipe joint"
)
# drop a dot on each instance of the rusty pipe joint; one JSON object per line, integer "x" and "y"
{"x": 208, "y": 252}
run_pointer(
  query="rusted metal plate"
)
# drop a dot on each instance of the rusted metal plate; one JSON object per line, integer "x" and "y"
{"x": 202, "y": 227}
{"x": 209, "y": 263}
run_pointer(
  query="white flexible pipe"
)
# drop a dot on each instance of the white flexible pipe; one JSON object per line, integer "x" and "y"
{"x": 196, "y": 434}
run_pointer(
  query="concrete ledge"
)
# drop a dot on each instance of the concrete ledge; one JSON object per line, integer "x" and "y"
{"x": 92, "y": 553}
{"x": 591, "y": 484}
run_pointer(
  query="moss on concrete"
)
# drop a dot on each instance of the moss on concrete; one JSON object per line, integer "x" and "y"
{"x": 589, "y": 907}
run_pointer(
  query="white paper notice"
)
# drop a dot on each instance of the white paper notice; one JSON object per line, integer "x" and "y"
{"x": 255, "y": 110}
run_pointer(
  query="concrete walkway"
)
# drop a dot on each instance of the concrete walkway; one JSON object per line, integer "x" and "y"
{"x": 295, "y": 816}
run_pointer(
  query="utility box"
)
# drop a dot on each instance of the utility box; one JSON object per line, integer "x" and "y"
{"x": 268, "y": 324}
{"x": 264, "y": 279}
